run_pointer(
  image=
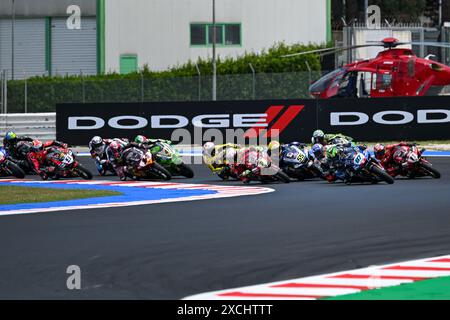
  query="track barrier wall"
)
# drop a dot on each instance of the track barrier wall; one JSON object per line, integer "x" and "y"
{"x": 405, "y": 118}
{"x": 39, "y": 125}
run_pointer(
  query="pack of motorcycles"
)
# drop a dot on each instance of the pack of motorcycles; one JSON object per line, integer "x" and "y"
{"x": 294, "y": 161}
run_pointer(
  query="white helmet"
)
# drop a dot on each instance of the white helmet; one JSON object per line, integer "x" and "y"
{"x": 317, "y": 137}
{"x": 208, "y": 148}
{"x": 98, "y": 144}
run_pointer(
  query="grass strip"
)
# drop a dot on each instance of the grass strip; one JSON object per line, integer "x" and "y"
{"x": 16, "y": 194}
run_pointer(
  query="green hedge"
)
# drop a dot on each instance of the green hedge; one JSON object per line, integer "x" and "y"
{"x": 276, "y": 77}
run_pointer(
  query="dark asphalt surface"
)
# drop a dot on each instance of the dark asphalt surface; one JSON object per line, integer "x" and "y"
{"x": 169, "y": 251}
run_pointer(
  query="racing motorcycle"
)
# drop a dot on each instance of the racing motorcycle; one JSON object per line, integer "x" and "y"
{"x": 256, "y": 165}
{"x": 167, "y": 156}
{"x": 9, "y": 168}
{"x": 360, "y": 166}
{"x": 410, "y": 163}
{"x": 62, "y": 163}
{"x": 296, "y": 164}
{"x": 140, "y": 164}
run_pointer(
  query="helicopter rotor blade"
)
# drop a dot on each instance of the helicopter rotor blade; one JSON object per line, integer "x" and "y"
{"x": 327, "y": 51}
{"x": 431, "y": 44}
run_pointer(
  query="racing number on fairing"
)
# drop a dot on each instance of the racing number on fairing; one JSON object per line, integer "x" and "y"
{"x": 301, "y": 157}
{"x": 358, "y": 159}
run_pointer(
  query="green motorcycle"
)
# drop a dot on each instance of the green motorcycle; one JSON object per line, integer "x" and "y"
{"x": 167, "y": 156}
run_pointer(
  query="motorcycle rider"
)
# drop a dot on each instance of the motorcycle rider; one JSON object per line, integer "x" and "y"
{"x": 114, "y": 155}
{"x": 10, "y": 142}
{"x": 97, "y": 149}
{"x": 150, "y": 144}
{"x": 37, "y": 156}
{"x": 11, "y": 139}
{"x": 388, "y": 157}
{"x": 326, "y": 139}
{"x": 335, "y": 155}
{"x": 216, "y": 157}
{"x": 243, "y": 161}
{"x": 317, "y": 152}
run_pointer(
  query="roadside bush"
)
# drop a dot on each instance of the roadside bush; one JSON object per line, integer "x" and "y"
{"x": 276, "y": 77}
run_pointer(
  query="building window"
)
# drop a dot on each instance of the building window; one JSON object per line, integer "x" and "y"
{"x": 219, "y": 34}
{"x": 233, "y": 34}
{"x": 128, "y": 64}
{"x": 198, "y": 34}
{"x": 227, "y": 34}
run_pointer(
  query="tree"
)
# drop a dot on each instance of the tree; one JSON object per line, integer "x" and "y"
{"x": 401, "y": 10}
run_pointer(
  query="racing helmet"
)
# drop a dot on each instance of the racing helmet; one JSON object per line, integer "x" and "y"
{"x": 273, "y": 145}
{"x": 379, "y": 151}
{"x": 318, "y": 137}
{"x": 317, "y": 150}
{"x": 140, "y": 139}
{"x": 208, "y": 148}
{"x": 38, "y": 146}
{"x": 97, "y": 143}
{"x": 115, "y": 147}
{"x": 10, "y": 136}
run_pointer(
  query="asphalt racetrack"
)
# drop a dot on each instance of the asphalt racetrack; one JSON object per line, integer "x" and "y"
{"x": 170, "y": 251}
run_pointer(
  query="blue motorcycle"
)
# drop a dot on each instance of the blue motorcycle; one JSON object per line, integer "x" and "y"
{"x": 297, "y": 164}
{"x": 358, "y": 165}
{"x": 9, "y": 168}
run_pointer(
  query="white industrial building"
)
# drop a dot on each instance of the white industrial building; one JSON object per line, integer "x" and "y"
{"x": 124, "y": 35}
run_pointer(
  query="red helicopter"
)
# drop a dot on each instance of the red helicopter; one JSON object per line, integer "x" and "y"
{"x": 394, "y": 72}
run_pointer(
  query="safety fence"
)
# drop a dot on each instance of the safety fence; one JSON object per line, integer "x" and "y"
{"x": 42, "y": 95}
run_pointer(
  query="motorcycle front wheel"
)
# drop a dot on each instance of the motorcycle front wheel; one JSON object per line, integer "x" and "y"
{"x": 383, "y": 175}
{"x": 161, "y": 172}
{"x": 428, "y": 168}
{"x": 15, "y": 170}
{"x": 283, "y": 177}
{"x": 83, "y": 172}
{"x": 185, "y": 171}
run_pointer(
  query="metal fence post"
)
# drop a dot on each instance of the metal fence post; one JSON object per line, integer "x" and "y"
{"x": 5, "y": 92}
{"x": 1, "y": 91}
{"x": 199, "y": 83}
{"x": 142, "y": 86}
{"x": 253, "y": 81}
{"x": 82, "y": 87}
{"x": 309, "y": 71}
{"x": 26, "y": 92}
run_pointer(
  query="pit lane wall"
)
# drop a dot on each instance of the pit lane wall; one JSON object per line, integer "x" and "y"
{"x": 377, "y": 119}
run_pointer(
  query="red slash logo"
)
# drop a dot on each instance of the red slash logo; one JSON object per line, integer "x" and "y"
{"x": 278, "y": 125}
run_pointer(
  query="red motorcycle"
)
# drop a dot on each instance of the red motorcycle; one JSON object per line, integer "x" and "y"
{"x": 256, "y": 165}
{"x": 409, "y": 162}
{"x": 61, "y": 163}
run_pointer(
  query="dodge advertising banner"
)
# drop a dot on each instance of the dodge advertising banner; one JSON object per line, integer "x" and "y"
{"x": 415, "y": 118}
